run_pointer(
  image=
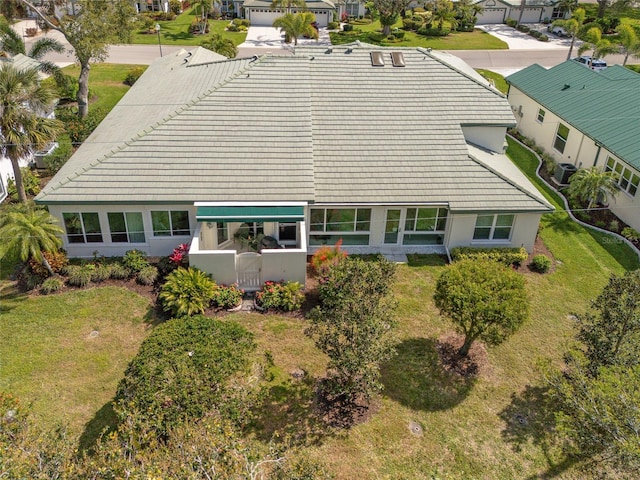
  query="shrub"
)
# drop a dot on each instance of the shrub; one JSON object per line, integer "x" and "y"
{"x": 412, "y": 23}
{"x": 326, "y": 257}
{"x": 147, "y": 276}
{"x": 399, "y": 35}
{"x": 433, "y": 32}
{"x": 133, "y": 75}
{"x": 543, "y": 38}
{"x": 51, "y": 285}
{"x": 135, "y": 260}
{"x": 227, "y": 297}
{"x": 183, "y": 371}
{"x": 119, "y": 271}
{"x": 79, "y": 276}
{"x": 333, "y": 25}
{"x": 631, "y": 234}
{"x": 282, "y": 296}
{"x": 347, "y": 27}
{"x": 27, "y": 280}
{"x": 175, "y": 7}
{"x": 511, "y": 22}
{"x": 614, "y": 225}
{"x": 535, "y": 33}
{"x": 56, "y": 159}
{"x": 523, "y": 28}
{"x": 187, "y": 292}
{"x": 100, "y": 273}
{"x": 506, "y": 256}
{"x": 30, "y": 180}
{"x": 541, "y": 263}
{"x": 57, "y": 261}
{"x": 180, "y": 255}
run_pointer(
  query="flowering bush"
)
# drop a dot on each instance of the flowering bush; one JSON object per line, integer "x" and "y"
{"x": 227, "y": 296}
{"x": 327, "y": 257}
{"x": 283, "y": 296}
{"x": 180, "y": 255}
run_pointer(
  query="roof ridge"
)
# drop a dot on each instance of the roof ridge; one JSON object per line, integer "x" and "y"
{"x": 145, "y": 131}
{"x": 505, "y": 178}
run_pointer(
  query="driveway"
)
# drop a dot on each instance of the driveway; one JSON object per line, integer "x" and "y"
{"x": 269, "y": 37}
{"x": 521, "y": 41}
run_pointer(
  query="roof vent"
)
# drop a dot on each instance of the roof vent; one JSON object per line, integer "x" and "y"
{"x": 566, "y": 86}
{"x": 377, "y": 60}
{"x": 397, "y": 58}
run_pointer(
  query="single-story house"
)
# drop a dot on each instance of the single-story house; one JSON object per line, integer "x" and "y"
{"x": 260, "y": 13}
{"x": 151, "y": 5}
{"x": 585, "y": 118}
{"x": 389, "y": 150}
{"x": 535, "y": 11}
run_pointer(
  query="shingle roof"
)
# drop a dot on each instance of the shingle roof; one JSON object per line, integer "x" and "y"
{"x": 320, "y": 126}
{"x": 603, "y": 105}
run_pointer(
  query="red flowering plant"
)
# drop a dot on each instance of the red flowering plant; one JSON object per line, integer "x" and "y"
{"x": 325, "y": 258}
{"x": 227, "y": 297}
{"x": 282, "y": 296}
{"x": 180, "y": 255}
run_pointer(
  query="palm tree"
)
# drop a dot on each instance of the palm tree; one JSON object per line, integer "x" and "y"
{"x": 219, "y": 44}
{"x": 23, "y": 128}
{"x": 205, "y": 8}
{"x": 600, "y": 46}
{"x": 287, "y": 5}
{"x": 11, "y": 44}
{"x": 628, "y": 42}
{"x": 444, "y": 12}
{"x": 572, "y": 26}
{"x": 587, "y": 183}
{"x": 295, "y": 25}
{"x": 27, "y": 232}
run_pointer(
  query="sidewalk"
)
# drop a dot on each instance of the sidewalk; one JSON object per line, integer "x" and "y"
{"x": 521, "y": 41}
{"x": 269, "y": 37}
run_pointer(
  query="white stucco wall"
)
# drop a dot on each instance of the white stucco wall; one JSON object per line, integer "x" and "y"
{"x": 489, "y": 137}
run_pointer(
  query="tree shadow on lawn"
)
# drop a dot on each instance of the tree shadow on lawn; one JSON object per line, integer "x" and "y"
{"x": 417, "y": 378}
{"x": 178, "y": 36}
{"x": 529, "y": 418}
{"x": 290, "y": 411}
{"x": 103, "y": 422}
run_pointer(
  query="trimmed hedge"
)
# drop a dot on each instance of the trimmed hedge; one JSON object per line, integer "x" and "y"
{"x": 507, "y": 256}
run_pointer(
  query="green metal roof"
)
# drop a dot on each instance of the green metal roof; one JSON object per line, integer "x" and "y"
{"x": 603, "y": 105}
{"x": 250, "y": 214}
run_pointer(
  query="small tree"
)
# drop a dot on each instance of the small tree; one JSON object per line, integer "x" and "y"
{"x": 296, "y": 25}
{"x": 389, "y": 11}
{"x": 27, "y": 232}
{"x": 444, "y": 11}
{"x": 628, "y": 42}
{"x": 611, "y": 336}
{"x": 485, "y": 300}
{"x": 572, "y": 26}
{"x": 587, "y": 183}
{"x": 600, "y": 47}
{"x": 219, "y": 44}
{"x": 353, "y": 325}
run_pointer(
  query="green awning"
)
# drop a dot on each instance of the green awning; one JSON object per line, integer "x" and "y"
{"x": 250, "y": 214}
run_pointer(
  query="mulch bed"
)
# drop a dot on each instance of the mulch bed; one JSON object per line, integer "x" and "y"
{"x": 475, "y": 364}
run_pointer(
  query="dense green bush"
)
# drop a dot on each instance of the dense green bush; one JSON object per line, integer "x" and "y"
{"x": 79, "y": 276}
{"x": 434, "y": 32}
{"x": 227, "y": 296}
{"x": 347, "y": 27}
{"x": 135, "y": 260}
{"x": 282, "y": 296}
{"x": 541, "y": 263}
{"x": 506, "y": 256}
{"x": 30, "y": 180}
{"x": 119, "y": 271}
{"x": 333, "y": 25}
{"x": 51, "y": 285}
{"x": 412, "y": 23}
{"x": 133, "y": 75}
{"x": 79, "y": 129}
{"x": 631, "y": 234}
{"x": 147, "y": 276}
{"x": 100, "y": 273}
{"x": 56, "y": 159}
{"x": 543, "y": 38}
{"x": 183, "y": 370}
{"x": 175, "y": 7}
{"x": 28, "y": 280}
{"x": 57, "y": 260}
{"x": 523, "y": 28}
{"x": 187, "y": 292}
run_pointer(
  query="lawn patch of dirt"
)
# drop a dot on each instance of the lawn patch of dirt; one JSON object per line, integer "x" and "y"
{"x": 475, "y": 364}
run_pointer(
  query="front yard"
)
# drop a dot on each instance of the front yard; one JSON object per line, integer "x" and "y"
{"x": 66, "y": 354}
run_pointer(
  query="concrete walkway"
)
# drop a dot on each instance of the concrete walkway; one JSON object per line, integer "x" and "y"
{"x": 521, "y": 41}
{"x": 273, "y": 38}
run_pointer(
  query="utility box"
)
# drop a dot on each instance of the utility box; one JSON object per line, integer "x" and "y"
{"x": 563, "y": 172}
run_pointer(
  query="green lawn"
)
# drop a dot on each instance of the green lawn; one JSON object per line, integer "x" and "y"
{"x": 177, "y": 32}
{"x": 476, "y": 40}
{"x": 49, "y": 356}
{"x": 498, "y": 80}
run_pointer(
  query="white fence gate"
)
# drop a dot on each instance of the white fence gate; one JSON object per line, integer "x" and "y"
{"x": 248, "y": 269}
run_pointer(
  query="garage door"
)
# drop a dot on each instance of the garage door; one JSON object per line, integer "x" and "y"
{"x": 261, "y": 17}
{"x": 492, "y": 15}
{"x": 530, "y": 15}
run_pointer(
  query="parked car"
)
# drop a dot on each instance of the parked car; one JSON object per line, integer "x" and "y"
{"x": 595, "y": 64}
{"x": 558, "y": 30}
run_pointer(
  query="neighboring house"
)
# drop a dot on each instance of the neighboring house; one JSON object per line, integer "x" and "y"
{"x": 333, "y": 143}
{"x": 535, "y": 11}
{"x": 151, "y": 5}
{"x": 260, "y": 13}
{"x": 585, "y": 118}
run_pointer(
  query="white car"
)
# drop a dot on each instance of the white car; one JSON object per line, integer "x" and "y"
{"x": 595, "y": 64}
{"x": 558, "y": 30}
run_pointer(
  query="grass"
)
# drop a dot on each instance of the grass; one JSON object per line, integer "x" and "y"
{"x": 498, "y": 80}
{"x": 49, "y": 356}
{"x": 476, "y": 40}
{"x": 178, "y": 32}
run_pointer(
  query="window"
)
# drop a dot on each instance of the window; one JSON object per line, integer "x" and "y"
{"x": 627, "y": 179}
{"x": 126, "y": 227}
{"x": 172, "y": 223}
{"x": 352, "y": 225}
{"x": 541, "y": 113}
{"x": 493, "y": 227}
{"x": 352, "y": 8}
{"x": 561, "y": 138}
{"x": 424, "y": 226}
{"x": 223, "y": 232}
{"x": 287, "y": 233}
{"x": 82, "y": 227}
